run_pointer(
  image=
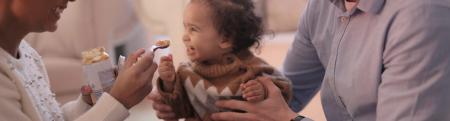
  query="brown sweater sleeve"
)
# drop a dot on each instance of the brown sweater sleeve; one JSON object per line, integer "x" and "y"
{"x": 178, "y": 99}
{"x": 284, "y": 84}
{"x": 264, "y": 69}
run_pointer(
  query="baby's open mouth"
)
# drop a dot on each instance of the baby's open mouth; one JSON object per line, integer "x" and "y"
{"x": 190, "y": 50}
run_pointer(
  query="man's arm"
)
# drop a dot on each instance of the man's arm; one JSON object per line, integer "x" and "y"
{"x": 416, "y": 78}
{"x": 302, "y": 65}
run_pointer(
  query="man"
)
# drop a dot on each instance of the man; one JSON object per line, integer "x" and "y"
{"x": 385, "y": 60}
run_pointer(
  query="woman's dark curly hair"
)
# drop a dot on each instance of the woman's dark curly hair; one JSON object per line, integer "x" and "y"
{"x": 235, "y": 20}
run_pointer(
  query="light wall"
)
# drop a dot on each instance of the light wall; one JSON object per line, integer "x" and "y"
{"x": 164, "y": 17}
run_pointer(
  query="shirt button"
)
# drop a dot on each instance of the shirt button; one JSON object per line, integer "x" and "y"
{"x": 344, "y": 19}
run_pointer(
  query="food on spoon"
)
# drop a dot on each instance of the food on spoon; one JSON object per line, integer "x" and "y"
{"x": 94, "y": 56}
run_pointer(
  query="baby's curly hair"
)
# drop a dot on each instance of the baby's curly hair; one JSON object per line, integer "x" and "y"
{"x": 235, "y": 20}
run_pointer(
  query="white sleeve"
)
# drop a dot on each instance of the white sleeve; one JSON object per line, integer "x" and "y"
{"x": 10, "y": 102}
{"x": 306, "y": 119}
{"x": 74, "y": 109}
{"x": 107, "y": 108}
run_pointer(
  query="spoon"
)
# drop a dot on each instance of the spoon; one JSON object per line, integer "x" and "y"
{"x": 160, "y": 44}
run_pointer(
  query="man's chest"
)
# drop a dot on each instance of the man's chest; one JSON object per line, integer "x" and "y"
{"x": 351, "y": 49}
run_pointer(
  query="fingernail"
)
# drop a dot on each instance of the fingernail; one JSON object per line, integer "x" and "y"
{"x": 213, "y": 116}
{"x": 86, "y": 90}
{"x": 165, "y": 58}
{"x": 141, "y": 50}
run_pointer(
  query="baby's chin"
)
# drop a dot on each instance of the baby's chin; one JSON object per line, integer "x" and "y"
{"x": 197, "y": 59}
{"x": 193, "y": 59}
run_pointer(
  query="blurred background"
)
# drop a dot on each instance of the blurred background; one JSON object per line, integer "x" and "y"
{"x": 122, "y": 26}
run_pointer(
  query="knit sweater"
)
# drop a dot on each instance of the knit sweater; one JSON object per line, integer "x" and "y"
{"x": 199, "y": 85}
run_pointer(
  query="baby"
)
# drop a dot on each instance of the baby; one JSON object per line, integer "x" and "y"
{"x": 218, "y": 36}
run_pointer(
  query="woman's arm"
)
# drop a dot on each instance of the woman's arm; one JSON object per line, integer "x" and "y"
{"x": 132, "y": 85}
{"x": 11, "y": 102}
{"x": 106, "y": 109}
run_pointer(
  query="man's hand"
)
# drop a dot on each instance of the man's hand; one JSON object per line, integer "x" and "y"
{"x": 163, "y": 111}
{"x": 274, "y": 108}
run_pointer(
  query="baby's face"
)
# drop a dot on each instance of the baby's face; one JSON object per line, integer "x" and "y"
{"x": 201, "y": 39}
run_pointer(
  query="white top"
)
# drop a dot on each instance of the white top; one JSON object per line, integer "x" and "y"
{"x": 25, "y": 93}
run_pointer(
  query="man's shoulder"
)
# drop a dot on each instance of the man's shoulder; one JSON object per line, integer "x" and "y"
{"x": 425, "y": 14}
{"x": 418, "y": 6}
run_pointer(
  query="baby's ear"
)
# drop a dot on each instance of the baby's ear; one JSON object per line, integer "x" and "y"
{"x": 225, "y": 44}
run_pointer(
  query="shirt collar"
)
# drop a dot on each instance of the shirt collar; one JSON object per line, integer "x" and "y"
{"x": 371, "y": 6}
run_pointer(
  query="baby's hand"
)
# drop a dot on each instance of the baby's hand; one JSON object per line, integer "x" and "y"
{"x": 167, "y": 72}
{"x": 253, "y": 91}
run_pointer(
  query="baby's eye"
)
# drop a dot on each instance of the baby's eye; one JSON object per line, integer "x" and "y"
{"x": 192, "y": 28}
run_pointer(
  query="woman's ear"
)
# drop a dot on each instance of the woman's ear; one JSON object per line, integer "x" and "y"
{"x": 226, "y": 44}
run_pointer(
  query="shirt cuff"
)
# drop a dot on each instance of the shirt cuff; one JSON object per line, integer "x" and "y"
{"x": 75, "y": 108}
{"x": 306, "y": 119}
{"x": 107, "y": 108}
{"x": 80, "y": 102}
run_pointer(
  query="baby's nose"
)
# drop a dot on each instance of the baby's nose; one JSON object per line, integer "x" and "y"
{"x": 186, "y": 38}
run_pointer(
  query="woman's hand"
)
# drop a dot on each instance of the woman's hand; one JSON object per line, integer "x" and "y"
{"x": 163, "y": 111}
{"x": 274, "y": 108}
{"x": 86, "y": 91}
{"x": 134, "y": 81}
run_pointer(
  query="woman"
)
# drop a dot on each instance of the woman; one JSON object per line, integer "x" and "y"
{"x": 24, "y": 89}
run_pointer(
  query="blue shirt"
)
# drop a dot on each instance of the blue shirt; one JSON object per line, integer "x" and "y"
{"x": 385, "y": 60}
